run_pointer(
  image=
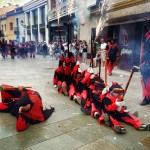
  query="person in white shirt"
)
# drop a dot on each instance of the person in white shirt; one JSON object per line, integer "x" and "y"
{"x": 103, "y": 48}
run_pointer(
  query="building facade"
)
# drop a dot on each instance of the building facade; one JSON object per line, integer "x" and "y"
{"x": 7, "y": 22}
{"x": 36, "y": 21}
{"x": 3, "y": 28}
{"x": 62, "y": 20}
{"x": 19, "y": 28}
{"x": 10, "y": 23}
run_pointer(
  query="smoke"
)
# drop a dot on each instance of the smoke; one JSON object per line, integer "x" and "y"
{"x": 104, "y": 6}
{"x": 58, "y": 7}
{"x": 81, "y": 14}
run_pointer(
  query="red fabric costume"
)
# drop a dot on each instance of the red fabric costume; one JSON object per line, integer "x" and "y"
{"x": 112, "y": 54}
{"x": 114, "y": 107}
{"x": 11, "y": 102}
{"x": 145, "y": 67}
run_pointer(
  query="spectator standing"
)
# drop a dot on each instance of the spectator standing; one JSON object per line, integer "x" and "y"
{"x": 84, "y": 56}
{"x": 45, "y": 49}
{"x": 145, "y": 66}
{"x": 103, "y": 48}
{"x": 112, "y": 54}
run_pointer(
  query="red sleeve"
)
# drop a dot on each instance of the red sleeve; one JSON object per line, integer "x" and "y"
{"x": 22, "y": 123}
{"x": 3, "y": 106}
{"x": 111, "y": 107}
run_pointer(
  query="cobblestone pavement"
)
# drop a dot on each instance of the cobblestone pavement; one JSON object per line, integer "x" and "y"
{"x": 67, "y": 128}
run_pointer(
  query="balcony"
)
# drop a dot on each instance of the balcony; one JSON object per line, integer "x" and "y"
{"x": 52, "y": 15}
{"x": 42, "y": 28}
{"x": 34, "y": 29}
{"x": 16, "y": 30}
{"x": 28, "y": 29}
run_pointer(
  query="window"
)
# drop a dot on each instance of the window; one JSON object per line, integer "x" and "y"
{"x": 17, "y": 22}
{"x": 35, "y": 17}
{"x": 11, "y": 26}
{"x": 28, "y": 18}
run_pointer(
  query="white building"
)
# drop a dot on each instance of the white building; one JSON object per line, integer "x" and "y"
{"x": 19, "y": 28}
{"x": 36, "y": 20}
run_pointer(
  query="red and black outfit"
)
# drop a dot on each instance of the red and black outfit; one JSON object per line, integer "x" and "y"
{"x": 59, "y": 72}
{"x": 12, "y": 50}
{"x": 12, "y": 100}
{"x": 145, "y": 68}
{"x": 112, "y": 54}
{"x": 118, "y": 113}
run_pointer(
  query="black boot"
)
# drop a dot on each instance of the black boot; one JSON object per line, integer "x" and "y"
{"x": 145, "y": 101}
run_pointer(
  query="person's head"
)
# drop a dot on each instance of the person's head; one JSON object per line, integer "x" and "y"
{"x": 102, "y": 40}
{"x": 116, "y": 89}
{"x": 112, "y": 41}
{"x": 99, "y": 86}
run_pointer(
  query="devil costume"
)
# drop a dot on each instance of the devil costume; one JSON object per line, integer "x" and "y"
{"x": 145, "y": 66}
{"x": 114, "y": 107}
{"x": 13, "y": 100}
{"x": 112, "y": 56}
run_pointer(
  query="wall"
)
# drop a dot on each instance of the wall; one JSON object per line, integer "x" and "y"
{"x": 21, "y": 28}
{"x": 10, "y": 33}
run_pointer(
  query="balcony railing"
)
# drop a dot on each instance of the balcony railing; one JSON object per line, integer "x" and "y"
{"x": 16, "y": 30}
{"x": 63, "y": 10}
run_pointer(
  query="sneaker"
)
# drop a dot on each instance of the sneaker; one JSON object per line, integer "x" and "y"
{"x": 55, "y": 86}
{"x": 71, "y": 97}
{"x": 78, "y": 100}
{"x": 85, "y": 111}
{"x": 136, "y": 114}
{"x": 119, "y": 129}
{"x": 145, "y": 102}
{"x": 83, "y": 102}
{"x": 96, "y": 115}
{"x": 144, "y": 127}
{"x": 74, "y": 97}
{"x": 106, "y": 119}
{"x": 64, "y": 88}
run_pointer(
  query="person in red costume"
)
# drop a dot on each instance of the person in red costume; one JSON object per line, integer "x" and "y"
{"x": 59, "y": 72}
{"x": 25, "y": 104}
{"x": 145, "y": 66}
{"x": 112, "y": 55}
{"x": 114, "y": 107}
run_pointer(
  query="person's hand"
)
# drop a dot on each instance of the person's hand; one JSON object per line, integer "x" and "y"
{"x": 3, "y": 88}
{"x": 24, "y": 108}
{"x": 21, "y": 88}
{"x": 122, "y": 103}
{"x": 126, "y": 110}
{"x": 80, "y": 70}
{"x": 92, "y": 76}
{"x": 20, "y": 109}
{"x": 105, "y": 90}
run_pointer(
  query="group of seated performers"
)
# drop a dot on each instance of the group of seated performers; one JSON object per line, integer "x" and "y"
{"x": 104, "y": 103}
{"x": 24, "y": 104}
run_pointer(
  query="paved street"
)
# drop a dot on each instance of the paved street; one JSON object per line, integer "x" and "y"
{"x": 68, "y": 128}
